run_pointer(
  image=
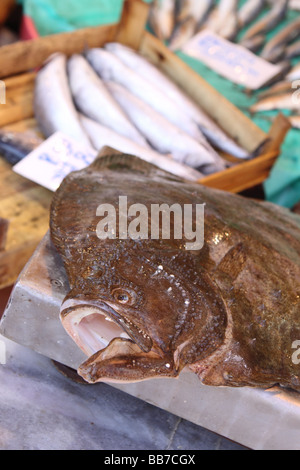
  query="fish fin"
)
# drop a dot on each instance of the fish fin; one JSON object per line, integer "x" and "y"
{"x": 115, "y": 160}
{"x": 123, "y": 361}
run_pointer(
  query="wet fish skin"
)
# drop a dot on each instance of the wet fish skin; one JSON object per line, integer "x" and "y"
{"x": 218, "y": 311}
{"x": 101, "y": 136}
{"x": 279, "y": 42}
{"x": 162, "y": 18}
{"x": 269, "y": 21}
{"x": 249, "y": 12}
{"x": 164, "y": 136}
{"x": 207, "y": 125}
{"x": 14, "y": 146}
{"x": 111, "y": 68}
{"x": 93, "y": 99}
{"x": 53, "y": 104}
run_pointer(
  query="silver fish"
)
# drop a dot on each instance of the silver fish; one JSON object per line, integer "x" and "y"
{"x": 102, "y": 136}
{"x": 279, "y": 42}
{"x": 293, "y": 50}
{"x": 111, "y": 68}
{"x": 53, "y": 105}
{"x": 295, "y": 121}
{"x": 250, "y": 11}
{"x": 278, "y": 102}
{"x": 147, "y": 70}
{"x": 277, "y": 89}
{"x": 163, "y": 135}
{"x": 191, "y": 17}
{"x": 294, "y": 73}
{"x": 269, "y": 21}
{"x": 93, "y": 99}
{"x": 225, "y": 20}
{"x": 162, "y": 18}
{"x": 255, "y": 43}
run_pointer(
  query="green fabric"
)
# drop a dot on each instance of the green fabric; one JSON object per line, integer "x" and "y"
{"x": 56, "y": 16}
{"x": 53, "y": 16}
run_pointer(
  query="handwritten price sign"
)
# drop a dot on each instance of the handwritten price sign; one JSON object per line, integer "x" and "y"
{"x": 54, "y": 159}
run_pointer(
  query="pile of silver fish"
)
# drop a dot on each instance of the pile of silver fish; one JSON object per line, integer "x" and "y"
{"x": 177, "y": 21}
{"x": 114, "y": 97}
{"x": 248, "y": 24}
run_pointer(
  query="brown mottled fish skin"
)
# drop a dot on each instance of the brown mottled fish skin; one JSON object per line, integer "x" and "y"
{"x": 230, "y": 312}
{"x": 4, "y": 224}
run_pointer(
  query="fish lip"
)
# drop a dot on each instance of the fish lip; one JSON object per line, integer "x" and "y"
{"x": 134, "y": 333}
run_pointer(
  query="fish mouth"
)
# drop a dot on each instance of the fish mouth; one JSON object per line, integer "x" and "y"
{"x": 93, "y": 326}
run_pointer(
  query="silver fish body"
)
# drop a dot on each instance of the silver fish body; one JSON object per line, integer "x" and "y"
{"x": 93, "y": 99}
{"x": 278, "y": 102}
{"x": 190, "y": 18}
{"x": 225, "y": 20}
{"x": 53, "y": 105}
{"x": 293, "y": 50}
{"x": 163, "y": 135}
{"x": 102, "y": 136}
{"x": 208, "y": 127}
{"x": 255, "y": 43}
{"x": 250, "y": 11}
{"x": 294, "y": 73}
{"x": 269, "y": 21}
{"x": 111, "y": 68}
{"x": 162, "y": 18}
{"x": 279, "y": 42}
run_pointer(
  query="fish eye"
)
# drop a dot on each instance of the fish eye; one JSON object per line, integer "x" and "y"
{"x": 123, "y": 296}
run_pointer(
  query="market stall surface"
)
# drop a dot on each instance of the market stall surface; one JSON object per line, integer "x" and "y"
{"x": 42, "y": 409}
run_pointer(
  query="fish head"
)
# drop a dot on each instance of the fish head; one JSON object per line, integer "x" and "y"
{"x": 141, "y": 318}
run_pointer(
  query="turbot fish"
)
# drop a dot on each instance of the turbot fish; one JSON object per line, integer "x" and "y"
{"x": 275, "y": 48}
{"x": 102, "y": 136}
{"x": 162, "y": 18}
{"x": 164, "y": 136}
{"x": 140, "y": 307}
{"x": 208, "y": 126}
{"x": 92, "y": 99}
{"x": 110, "y": 67}
{"x": 269, "y": 21}
{"x": 53, "y": 104}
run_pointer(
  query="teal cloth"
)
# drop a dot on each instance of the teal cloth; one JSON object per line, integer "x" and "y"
{"x": 54, "y": 16}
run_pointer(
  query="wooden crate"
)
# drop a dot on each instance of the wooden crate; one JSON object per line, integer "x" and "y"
{"x": 26, "y": 205}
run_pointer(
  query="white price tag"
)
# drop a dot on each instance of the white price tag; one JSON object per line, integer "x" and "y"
{"x": 232, "y": 61}
{"x": 54, "y": 159}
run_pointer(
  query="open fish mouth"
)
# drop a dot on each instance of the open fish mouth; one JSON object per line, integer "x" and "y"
{"x": 90, "y": 326}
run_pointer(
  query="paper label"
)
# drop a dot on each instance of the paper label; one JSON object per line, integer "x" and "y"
{"x": 232, "y": 61}
{"x": 54, "y": 159}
